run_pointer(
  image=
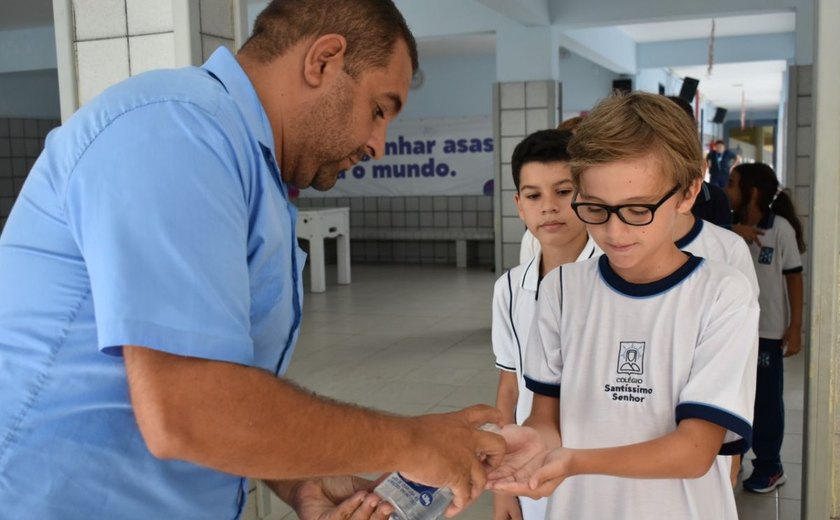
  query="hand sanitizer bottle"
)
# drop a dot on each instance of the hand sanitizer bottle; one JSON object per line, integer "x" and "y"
{"x": 413, "y": 501}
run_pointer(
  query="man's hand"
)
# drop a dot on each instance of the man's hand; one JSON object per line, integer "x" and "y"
{"x": 452, "y": 452}
{"x": 749, "y": 233}
{"x": 339, "y": 498}
{"x": 792, "y": 341}
{"x": 506, "y": 508}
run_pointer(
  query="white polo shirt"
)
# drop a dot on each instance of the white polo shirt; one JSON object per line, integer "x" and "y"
{"x": 514, "y": 307}
{"x": 716, "y": 243}
{"x": 777, "y": 256}
{"x": 632, "y": 361}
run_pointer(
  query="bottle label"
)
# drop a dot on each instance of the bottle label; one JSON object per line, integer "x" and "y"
{"x": 413, "y": 501}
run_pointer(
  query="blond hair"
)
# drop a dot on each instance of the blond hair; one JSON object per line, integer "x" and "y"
{"x": 636, "y": 125}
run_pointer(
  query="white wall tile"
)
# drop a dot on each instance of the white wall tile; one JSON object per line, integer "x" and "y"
{"x": 804, "y": 80}
{"x": 210, "y": 43}
{"x": 804, "y": 171}
{"x": 536, "y": 119}
{"x": 217, "y": 18}
{"x": 149, "y": 16}
{"x": 804, "y": 111}
{"x": 802, "y": 200}
{"x": 512, "y": 95}
{"x": 152, "y": 51}
{"x": 536, "y": 94}
{"x": 102, "y": 63}
{"x": 96, "y": 19}
{"x": 513, "y": 122}
{"x": 508, "y": 144}
{"x": 804, "y": 141}
{"x": 507, "y": 178}
{"x": 512, "y": 229}
{"x": 508, "y": 204}
{"x": 510, "y": 255}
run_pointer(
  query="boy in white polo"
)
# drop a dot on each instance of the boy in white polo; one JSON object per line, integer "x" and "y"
{"x": 543, "y": 197}
{"x": 642, "y": 359}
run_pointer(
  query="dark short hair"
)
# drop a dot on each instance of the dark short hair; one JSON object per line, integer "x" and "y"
{"x": 371, "y": 28}
{"x": 719, "y": 141}
{"x": 544, "y": 146}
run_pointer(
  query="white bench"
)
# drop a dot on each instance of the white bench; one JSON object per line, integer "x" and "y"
{"x": 460, "y": 236}
{"x": 314, "y": 225}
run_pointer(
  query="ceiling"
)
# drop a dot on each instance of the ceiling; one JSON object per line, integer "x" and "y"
{"x": 700, "y": 28}
{"x": 25, "y": 13}
{"x": 457, "y": 46}
{"x": 761, "y": 81}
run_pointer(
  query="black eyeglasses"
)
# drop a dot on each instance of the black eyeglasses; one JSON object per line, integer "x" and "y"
{"x": 630, "y": 214}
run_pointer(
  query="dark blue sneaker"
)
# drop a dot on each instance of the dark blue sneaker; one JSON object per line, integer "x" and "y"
{"x": 758, "y": 483}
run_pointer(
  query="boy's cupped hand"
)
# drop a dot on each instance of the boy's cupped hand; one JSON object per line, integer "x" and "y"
{"x": 529, "y": 467}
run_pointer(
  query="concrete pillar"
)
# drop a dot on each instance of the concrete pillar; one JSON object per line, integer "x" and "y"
{"x": 821, "y": 498}
{"x": 799, "y": 176}
{"x": 102, "y": 42}
{"x": 758, "y": 141}
{"x": 526, "y": 99}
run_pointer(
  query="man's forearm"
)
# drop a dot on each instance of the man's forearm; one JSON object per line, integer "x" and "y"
{"x": 245, "y": 421}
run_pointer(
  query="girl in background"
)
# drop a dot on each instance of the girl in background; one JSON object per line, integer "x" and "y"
{"x": 765, "y": 217}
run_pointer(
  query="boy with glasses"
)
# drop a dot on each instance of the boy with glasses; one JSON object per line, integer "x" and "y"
{"x": 641, "y": 361}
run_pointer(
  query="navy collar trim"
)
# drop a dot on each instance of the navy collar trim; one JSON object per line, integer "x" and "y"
{"x": 645, "y": 290}
{"x": 693, "y": 233}
{"x": 767, "y": 221}
{"x": 531, "y": 275}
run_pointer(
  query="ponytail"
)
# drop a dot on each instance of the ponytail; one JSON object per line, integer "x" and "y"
{"x": 771, "y": 197}
{"x": 782, "y": 205}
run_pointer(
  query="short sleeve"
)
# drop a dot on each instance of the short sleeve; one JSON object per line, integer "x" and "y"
{"x": 721, "y": 385}
{"x": 741, "y": 259}
{"x": 157, "y": 207}
{"x": 543, "y": 358}
{"x": 505, "y": 342}
{"x": 789, "y": 249}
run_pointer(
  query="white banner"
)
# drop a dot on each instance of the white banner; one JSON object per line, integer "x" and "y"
{"x": 424, "y": 157}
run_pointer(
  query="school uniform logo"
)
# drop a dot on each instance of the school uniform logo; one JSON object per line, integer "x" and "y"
{"x": 631, "y": 357}
{"x": 765, "y": 256}
{"x": 763, "y": 359}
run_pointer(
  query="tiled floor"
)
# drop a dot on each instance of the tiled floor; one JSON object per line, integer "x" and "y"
{"x": 416, "y": 339}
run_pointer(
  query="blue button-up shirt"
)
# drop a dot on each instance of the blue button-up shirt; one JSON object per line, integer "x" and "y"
{"x": 156, "y": 216}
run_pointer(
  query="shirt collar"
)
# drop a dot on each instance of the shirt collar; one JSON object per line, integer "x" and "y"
{"x": 692, "y": 234}
{"x": 646, "y": 290}
{"x": 531, "y": 275}
{"x": 767, "y": 221}
{"x": 224, "y": 67}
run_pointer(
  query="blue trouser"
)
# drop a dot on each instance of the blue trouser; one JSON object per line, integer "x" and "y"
{"x": 769, "y": 419}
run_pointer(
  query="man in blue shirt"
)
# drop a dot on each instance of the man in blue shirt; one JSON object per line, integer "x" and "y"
{"x": 720, "y": 162}
{"x": 152, "y": 293}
